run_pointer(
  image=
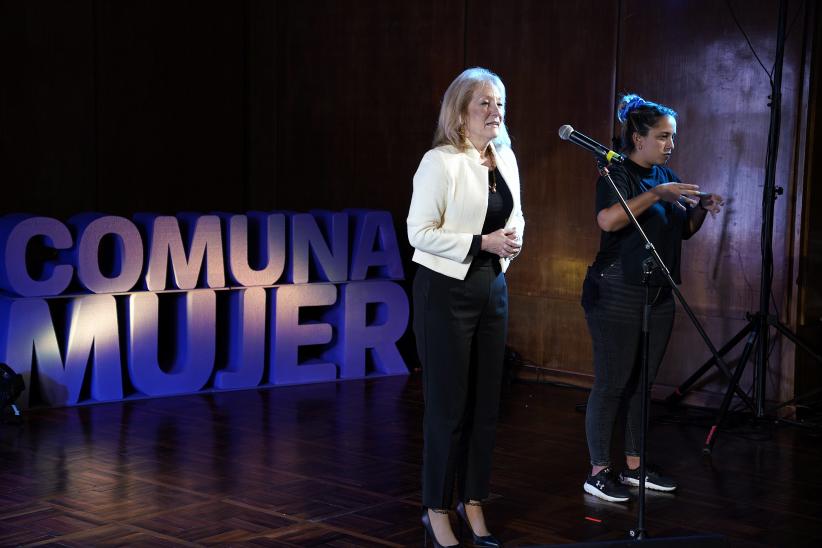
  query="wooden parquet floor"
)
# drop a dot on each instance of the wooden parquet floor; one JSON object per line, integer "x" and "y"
{"x": 338, "y": 465}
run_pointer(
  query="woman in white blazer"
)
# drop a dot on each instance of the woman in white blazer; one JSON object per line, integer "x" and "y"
{"x": 465, "y": 224}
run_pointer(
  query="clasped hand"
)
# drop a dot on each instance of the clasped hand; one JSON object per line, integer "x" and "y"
{"x": 503, "y": 242}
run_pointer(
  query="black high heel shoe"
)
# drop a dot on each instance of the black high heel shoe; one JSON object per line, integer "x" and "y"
{"x": 487, "y": 540}
{"x": 429, "y": 532}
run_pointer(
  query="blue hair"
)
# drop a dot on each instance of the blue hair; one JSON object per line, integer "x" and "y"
{"x": 638, "y": 116}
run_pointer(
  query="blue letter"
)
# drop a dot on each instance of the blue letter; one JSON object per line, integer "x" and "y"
{"x": 307, "y": 239}
{"x": 246, "y": 342}
{"x": 288, "y": 334}
{"x": 270, "y": 248}
{"x": 128, "y": 253}
{"x": 15, "y": 233}
{"x": 375, "y": 245}
{"x": 92, "y": 323}
{"x": 204, "y": 239}
{"x": 377, "y": 331}
{"x": 194, "y": 343}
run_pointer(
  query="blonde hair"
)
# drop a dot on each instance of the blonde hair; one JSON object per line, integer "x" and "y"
{"x": 454, "y": 109}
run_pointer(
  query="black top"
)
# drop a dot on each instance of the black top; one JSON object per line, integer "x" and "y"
{"x": 665, "y": 224}
{"x": 500, "y": 205}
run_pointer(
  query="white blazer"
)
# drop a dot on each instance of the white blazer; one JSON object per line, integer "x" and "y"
{"x": 449, "y": 204}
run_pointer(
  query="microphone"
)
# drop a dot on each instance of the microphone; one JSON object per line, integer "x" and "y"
{"x": 567, "y": 133}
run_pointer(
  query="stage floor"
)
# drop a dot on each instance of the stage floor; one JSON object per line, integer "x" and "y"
{"x": 337, "y": 464}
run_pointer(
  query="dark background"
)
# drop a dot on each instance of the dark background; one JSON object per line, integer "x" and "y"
{"x": 170, "y": 106}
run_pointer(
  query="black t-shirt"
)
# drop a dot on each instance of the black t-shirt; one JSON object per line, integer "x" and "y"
{"x": 664, "y": 223}
{"x": 500, "y": 205}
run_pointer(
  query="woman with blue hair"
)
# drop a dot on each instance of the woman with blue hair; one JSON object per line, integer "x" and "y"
{"x": 613, "y": 296}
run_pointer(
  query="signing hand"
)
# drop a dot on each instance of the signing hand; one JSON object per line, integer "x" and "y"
{"x": 679, "y": 194}
{"x": 501, "y": 242}
{"x": 712, "y": 203}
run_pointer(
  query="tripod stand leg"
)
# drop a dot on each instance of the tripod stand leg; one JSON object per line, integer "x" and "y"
{"x": 726, "y": 400}
{"x": 679, "y": 392}
{"x": 791, "y": 336}
{"x": 799, "y": 398}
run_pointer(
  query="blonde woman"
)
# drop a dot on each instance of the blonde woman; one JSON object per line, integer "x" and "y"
{"x": 465, "y": 223}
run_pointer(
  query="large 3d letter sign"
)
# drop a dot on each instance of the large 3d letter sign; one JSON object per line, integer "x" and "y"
{"x": 159, "y": 305}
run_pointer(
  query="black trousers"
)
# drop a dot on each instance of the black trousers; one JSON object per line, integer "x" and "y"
{"x": 613, "y": 311}
{"x": 460, "y": 327}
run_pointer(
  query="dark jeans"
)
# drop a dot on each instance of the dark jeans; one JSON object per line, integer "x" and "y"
{"x": 460, "y": 327}
{"x": 613, "y": 311}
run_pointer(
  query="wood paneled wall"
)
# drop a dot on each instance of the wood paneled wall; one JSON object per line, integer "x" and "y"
{"x": 809, "y": 254}
{"x": 200, "y": 106}
{"x": 700, "y": 64}
{"x": 557, "y": 59}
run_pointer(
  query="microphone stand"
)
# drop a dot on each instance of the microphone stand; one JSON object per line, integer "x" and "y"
{"x": 650, "y": 265}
